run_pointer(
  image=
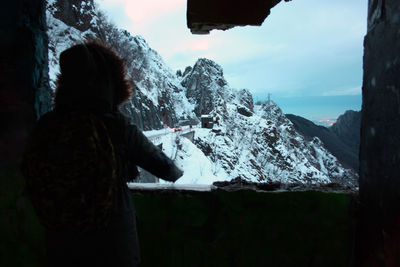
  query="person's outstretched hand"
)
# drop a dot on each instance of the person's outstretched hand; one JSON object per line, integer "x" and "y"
{"x": 175, "y": 174}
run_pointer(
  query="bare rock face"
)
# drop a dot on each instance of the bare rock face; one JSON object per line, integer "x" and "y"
{"x": 244, "y": 111}
{"x": 203, "y": 84}
{"x": 347, "y": 128}
{"x": 246, "y": 99}
{"x": 188, "y": 69}
{"x": 74, "y": 13}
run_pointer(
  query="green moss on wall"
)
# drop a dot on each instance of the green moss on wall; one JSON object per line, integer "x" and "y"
{"x": 245, "y": 228}
{"x": 242, "y": 228}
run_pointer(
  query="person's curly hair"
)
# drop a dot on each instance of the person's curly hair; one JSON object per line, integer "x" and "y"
{"x": 90, "y": 73}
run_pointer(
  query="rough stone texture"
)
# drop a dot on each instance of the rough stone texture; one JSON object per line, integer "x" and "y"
{"x": 244, "y": 111}
{"x": 24, "y": 96}
{"x": 201, "y": 86}
{"x": 206, "y": 15}
{"x": 188, "y": 69}
{"x": 76, "y": 13}
{"x": 246, "y": 99}
{"x": 380, "y": 142}
{"x": 141, "y": 111}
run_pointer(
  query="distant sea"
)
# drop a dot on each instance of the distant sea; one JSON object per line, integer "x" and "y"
{"x": 322, "y": 110}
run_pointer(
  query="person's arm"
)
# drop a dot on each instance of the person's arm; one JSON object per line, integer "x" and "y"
{"x": 149, "y": 157}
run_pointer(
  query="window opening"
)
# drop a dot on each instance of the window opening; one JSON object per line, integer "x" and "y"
{"x": 204, "y": 117}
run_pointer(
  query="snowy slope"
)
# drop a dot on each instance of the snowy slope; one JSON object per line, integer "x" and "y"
{"x": 265, "y": 147}
{"x": 259, "y": 143}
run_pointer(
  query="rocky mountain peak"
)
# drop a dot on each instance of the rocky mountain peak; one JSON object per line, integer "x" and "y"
{"x": 272, "y": 111}
{"x": 349, "y": 118}
{"x": 209, "y": 66}
{"x": 204, "y": 83}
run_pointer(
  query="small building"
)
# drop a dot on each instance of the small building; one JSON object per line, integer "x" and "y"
{"x": 206, "y": 121}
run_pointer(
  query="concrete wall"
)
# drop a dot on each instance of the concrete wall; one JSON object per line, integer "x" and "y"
{"x": 24, "y": 95}
{"x": 380, "y": 137}
{"x": 245, "y": 228}
{"x": 219, "y": 228}
{"x": 24, "y": 87}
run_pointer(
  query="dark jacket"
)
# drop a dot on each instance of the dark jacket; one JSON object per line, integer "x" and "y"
{"x": 118, "y": 244}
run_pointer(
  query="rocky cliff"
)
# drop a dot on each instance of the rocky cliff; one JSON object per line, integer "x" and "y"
{"x": 347, "y": 128}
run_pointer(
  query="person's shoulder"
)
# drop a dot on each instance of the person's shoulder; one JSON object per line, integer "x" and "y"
{"x": 120, "y": 121}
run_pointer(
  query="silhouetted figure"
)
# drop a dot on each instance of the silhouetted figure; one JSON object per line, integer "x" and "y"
{"x": 80, "y": 157}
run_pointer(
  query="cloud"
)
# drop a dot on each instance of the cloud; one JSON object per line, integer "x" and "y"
{"x": 344, "y": 91}
{"x": 143, "y": 11}
{"x": 303, "y": 48}
{"x": 201, "y": 45}
{"x": 192, "y": 45}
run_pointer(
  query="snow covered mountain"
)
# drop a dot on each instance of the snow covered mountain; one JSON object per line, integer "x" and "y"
{"x": 255, "y": 143}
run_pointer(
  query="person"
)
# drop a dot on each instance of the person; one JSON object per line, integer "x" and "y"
{"x": 93, "y": 79}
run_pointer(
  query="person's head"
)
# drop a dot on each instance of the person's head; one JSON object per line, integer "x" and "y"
{"x": 92, "y": 75}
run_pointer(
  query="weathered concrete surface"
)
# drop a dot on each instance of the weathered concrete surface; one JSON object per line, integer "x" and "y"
{"x": 24, "y": 95}
{"x": 24, "y": 87}
{"x": 206, "y": 15}
{"x": 380, "y": 137}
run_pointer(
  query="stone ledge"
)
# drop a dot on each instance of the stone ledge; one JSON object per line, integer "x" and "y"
{"x": 238, "y": 184}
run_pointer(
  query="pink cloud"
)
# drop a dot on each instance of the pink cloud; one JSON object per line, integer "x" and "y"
{"x": 141, "y": 11}
{"x": 113, "y": 2}
{"x": 199, "y": 45}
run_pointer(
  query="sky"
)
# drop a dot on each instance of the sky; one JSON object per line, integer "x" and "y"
{"x": 307, "y": 54}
